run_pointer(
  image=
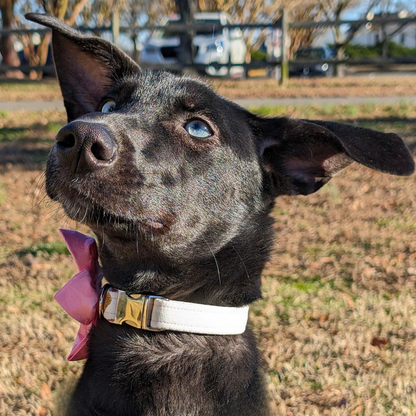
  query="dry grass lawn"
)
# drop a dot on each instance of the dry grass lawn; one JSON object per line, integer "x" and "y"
{"x": 337, "y": 325}
{"x": 352, "y": 86}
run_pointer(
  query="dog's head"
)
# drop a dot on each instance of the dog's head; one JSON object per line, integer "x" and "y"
{"x": 176, "y": 181}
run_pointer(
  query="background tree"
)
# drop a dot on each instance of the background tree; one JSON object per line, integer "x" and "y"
{"x": 392, "y": 8}
{"x": 138, "y": 13}
{"x": 67, "y": 10}
{"x": 132, "y": 13}
{"x": 333, "y": 11}
{"x": 304, "y": 37}
{"x": 10, "y": 56}
{"x": 260, "y": 11}
{"x": 250, "y": 11}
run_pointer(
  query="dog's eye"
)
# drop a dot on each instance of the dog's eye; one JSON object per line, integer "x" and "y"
{"x": 108, "y": 107}
{"x": 198, "y": 129}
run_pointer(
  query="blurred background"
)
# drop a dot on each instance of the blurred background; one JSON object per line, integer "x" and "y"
{"x": 234, "y": 39}
{"x": 337, "y": 322}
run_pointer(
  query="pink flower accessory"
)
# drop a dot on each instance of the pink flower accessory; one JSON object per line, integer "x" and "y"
{"x": 80, "y": 296}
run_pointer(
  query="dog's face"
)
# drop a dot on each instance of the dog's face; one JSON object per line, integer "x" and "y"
{"x": 162, "y": 159}
{"x": 167, "y": 173}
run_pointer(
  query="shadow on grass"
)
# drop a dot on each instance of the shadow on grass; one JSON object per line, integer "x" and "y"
{"x": 8, "y": 135}
{"x": 25, "y": 81}
{"x": 28, "y": 145}
{"x": 30, "y": 153}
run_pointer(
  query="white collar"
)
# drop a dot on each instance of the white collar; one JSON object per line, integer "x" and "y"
{"x": 155, "y": 313}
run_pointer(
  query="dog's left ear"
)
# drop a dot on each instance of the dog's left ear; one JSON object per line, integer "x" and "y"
{"x": 299, "y": 156}
{"x": 87, "y": 66}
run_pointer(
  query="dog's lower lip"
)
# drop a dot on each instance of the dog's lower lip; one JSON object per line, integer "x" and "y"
{"x": 94, "y": 214}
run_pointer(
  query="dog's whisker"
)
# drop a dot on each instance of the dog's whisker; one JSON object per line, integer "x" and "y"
{"x": 40, "y": 196}
{"x": 137, "y": 241}
{"x": 215, "y": 259}
{"x": 242, "y": 262}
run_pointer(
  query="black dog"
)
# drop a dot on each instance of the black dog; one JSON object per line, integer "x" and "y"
{"x": 177, "y": 183}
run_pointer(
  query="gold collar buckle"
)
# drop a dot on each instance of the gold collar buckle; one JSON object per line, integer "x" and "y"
{"x": 117, "y": 307}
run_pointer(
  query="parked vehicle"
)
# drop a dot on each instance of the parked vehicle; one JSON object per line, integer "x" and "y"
{"x": 313, "y": 68}
{"x": 216, "y": 48}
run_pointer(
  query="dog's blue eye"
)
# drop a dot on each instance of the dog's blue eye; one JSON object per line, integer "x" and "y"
{"x": 198, "y": 129}
{"x": 108, "y": 107}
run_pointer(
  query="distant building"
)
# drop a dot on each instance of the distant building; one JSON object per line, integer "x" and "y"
{"x": 370, "y": 34}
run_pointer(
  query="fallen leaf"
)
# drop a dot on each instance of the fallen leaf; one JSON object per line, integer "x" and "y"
{"x": 348, "y": 299}
{"x": 326, "y": 259}
{"x": 379, "y": 342}
{"x": 45, "y": 391}
{"x": 369, "y": 272}
{"x": 323, "y": 318}
{"x": 42, "y": 411}
{"x": 357, "y": 410}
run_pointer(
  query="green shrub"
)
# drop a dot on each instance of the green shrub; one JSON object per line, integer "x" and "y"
{"x": 361, "y": 51}
{"x": 259, "y": 56}
{"x": 400, "y": 51}
{"x": 394, "y": 51}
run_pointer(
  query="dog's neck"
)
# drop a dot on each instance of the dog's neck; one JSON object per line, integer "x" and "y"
{"x": 223, "y": 279}
{"x": 212, "y": 287}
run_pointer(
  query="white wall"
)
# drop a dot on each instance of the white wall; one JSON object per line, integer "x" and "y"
{"x": 369, "y": 37}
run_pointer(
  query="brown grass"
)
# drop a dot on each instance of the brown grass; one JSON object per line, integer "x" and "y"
{"x": 352, "y": 86}
{"x": 14, "y": 90}
{"x": 337, "y": 325}
{"x": 357, "y": 86}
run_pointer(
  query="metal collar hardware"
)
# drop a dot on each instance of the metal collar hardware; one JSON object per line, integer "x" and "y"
{"x": 118, "y": 307}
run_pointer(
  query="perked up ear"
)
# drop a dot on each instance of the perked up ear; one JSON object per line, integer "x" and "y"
{"x": 86, "y": 66}
{"x": 300, "y": 156}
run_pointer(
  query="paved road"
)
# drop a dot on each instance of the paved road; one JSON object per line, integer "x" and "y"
{"x": 245, "y": 102}
{"x": 322, "y": 101}
{"x": 30, "y": 105}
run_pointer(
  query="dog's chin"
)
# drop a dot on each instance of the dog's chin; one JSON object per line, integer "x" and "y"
{"x": 115, "y": 224}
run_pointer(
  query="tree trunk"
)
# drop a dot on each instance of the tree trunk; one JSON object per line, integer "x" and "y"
{"x": 10, "y": 56}
{"x": 384, "y": 48}
{"x": 136, "y": 53}
{"x": 340, "y": 68}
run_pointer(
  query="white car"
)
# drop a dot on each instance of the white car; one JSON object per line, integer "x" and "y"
{"x": 216, "y": 48}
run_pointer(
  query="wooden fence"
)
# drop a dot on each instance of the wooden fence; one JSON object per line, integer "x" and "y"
{"x": 281, "y": 63}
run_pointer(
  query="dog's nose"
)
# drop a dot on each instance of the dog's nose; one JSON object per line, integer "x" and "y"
{"x": 85, "y": 146}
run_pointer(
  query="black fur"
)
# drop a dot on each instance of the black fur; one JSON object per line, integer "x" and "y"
{"x": 181, "y": 217}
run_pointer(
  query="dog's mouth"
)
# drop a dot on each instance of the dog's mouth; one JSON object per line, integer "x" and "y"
{"x": 119, "y": 221}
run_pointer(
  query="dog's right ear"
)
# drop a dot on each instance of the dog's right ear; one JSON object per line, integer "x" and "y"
{"x": 300, "y": 156}
{"x": 87, "y": 66}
